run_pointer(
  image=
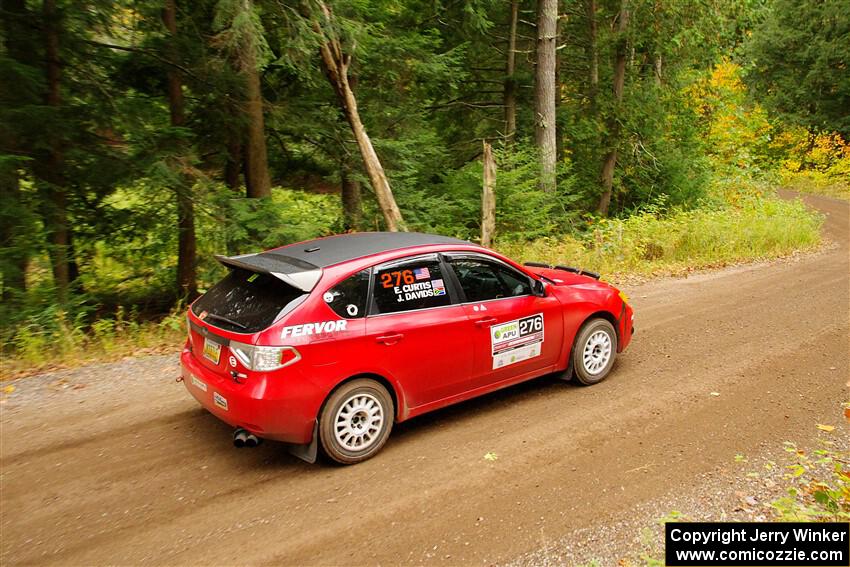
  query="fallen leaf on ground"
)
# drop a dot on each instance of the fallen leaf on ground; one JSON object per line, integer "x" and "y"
{"x": 491, "y": 456}
{"x": 826, "y": 428}
{"x": 714, "y": 394}
{"x": 8, "y": 389}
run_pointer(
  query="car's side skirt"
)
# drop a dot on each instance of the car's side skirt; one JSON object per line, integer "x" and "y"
{"x": 425, "y": 408}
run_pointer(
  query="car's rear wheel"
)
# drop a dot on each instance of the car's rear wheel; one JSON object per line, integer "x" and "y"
{"x": 356, "y": 421}
{"x": 594, "y": 351}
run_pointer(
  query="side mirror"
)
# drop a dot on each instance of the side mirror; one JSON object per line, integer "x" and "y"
{"x": 538, "y": 288}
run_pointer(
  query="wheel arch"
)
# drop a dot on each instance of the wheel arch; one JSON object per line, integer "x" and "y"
{"x": 597, "y": 314}
{"x": 602, "y": 314}
{"x": 395, "y": 394}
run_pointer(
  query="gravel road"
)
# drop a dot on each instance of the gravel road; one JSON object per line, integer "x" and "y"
{"x": 116, "y": 464}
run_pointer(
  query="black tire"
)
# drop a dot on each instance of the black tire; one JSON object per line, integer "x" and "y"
{"x": 364, "y": 401}
{"x": 593, "y": 354}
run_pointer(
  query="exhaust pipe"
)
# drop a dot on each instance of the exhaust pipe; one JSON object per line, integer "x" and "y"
{"x": 244, "y": 438}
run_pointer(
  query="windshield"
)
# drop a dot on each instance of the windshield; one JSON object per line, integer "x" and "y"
{"x": 245, "y": 301}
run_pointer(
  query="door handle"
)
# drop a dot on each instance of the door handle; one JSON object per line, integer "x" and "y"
{"x": 390, "y": 339}
{"x": 485, "y": 321}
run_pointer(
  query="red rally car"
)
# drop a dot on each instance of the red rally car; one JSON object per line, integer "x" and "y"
{"x": 327, "y": 343}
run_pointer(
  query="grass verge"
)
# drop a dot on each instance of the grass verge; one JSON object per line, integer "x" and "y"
{"x": 650, "y": 244}
{"x": 38, "y": 346}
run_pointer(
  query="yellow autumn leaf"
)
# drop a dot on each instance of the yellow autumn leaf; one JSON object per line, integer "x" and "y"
{"x": 491, "y": 456}
{"x": 826, "y": 428}
{"x": 8, "y": 389}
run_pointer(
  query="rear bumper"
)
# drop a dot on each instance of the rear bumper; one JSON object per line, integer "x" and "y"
{"x": 282, "y": 408}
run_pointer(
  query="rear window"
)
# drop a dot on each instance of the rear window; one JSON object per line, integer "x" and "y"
{"x": 246, "y": 302}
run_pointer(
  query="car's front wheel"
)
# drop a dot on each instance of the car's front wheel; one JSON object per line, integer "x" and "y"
{"x": 356, "y": 421}
{"x": 594, "y": 351}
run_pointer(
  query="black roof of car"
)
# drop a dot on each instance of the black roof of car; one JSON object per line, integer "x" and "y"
{"x": 301, "y": 264}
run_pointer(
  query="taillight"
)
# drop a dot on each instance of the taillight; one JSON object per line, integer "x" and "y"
{"x": 264, "y": 358}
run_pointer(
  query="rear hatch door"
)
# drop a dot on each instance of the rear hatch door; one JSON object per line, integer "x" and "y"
{"x": 238, "y": 308}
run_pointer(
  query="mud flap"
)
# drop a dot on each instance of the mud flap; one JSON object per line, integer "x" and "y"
{"x": 309, "y": 451}
{"x": 566, "y": 375}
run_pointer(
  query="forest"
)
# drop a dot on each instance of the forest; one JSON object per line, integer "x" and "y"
{"x": 140, "y": 138}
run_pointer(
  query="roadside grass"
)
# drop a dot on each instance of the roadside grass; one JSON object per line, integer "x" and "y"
{"x": 739, "y": 226}
{"x": 751, "y": 227}
{"x": 37, "y": 347}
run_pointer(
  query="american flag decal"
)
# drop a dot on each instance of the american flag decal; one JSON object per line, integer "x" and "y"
{"x": 422, "y": 274}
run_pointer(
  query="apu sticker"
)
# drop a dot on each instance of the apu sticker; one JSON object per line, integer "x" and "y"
{"x": 517, "y": 340}
{"x": 313, "y": 328}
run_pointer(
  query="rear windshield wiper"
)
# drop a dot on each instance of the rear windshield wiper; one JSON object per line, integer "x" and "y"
{"x": 226, "y": 320}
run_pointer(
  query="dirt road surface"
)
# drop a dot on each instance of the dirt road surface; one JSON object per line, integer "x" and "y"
{"x": 116, "y": 464}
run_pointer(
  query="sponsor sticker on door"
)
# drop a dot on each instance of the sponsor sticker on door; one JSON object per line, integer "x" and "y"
{"x": 517, "y": 340}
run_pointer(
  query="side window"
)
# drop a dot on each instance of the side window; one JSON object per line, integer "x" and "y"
{"x": 348, "y": 297}
{"x": 482, "y": 280}
{"x": 418, "y": 284}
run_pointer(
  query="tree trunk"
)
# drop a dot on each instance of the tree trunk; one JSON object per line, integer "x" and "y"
{"x": 336, "y": 64}
{"x": 593, "y": 48}
{"x": 610, "y": 162}
{"x": 56, "y": 219}
{"x": 488, "y": 198}
{"x": 657, "y": 16}
{"x": 256, "y": 168}
{"x": 186, "y": 244}
{"x": 544, "y": 92}
{"x": 351, "y": 200}
{"x": 510, "y": 82}
{"x": 257, "y": 179}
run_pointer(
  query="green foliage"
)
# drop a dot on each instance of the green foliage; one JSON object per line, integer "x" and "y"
{"x": 743, "y": 226}
{"x": 53, "y": 339}
{"x": 246, "y": 225}
{"x": 799, "y": 56}
{"x": 818, "y": 486}
{"x": 240, "y": 32}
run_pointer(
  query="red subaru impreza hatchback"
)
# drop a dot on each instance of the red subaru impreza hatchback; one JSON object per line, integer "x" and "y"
{"x": 327, "y": 343}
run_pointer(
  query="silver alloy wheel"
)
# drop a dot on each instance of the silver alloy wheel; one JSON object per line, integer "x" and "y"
{"x": 597, "y": 352}
{"x": 358, "y": 422}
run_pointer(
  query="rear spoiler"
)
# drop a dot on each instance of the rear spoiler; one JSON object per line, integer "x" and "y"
{"x": 578, "y": 271}
{"x": 291, "y": 271}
